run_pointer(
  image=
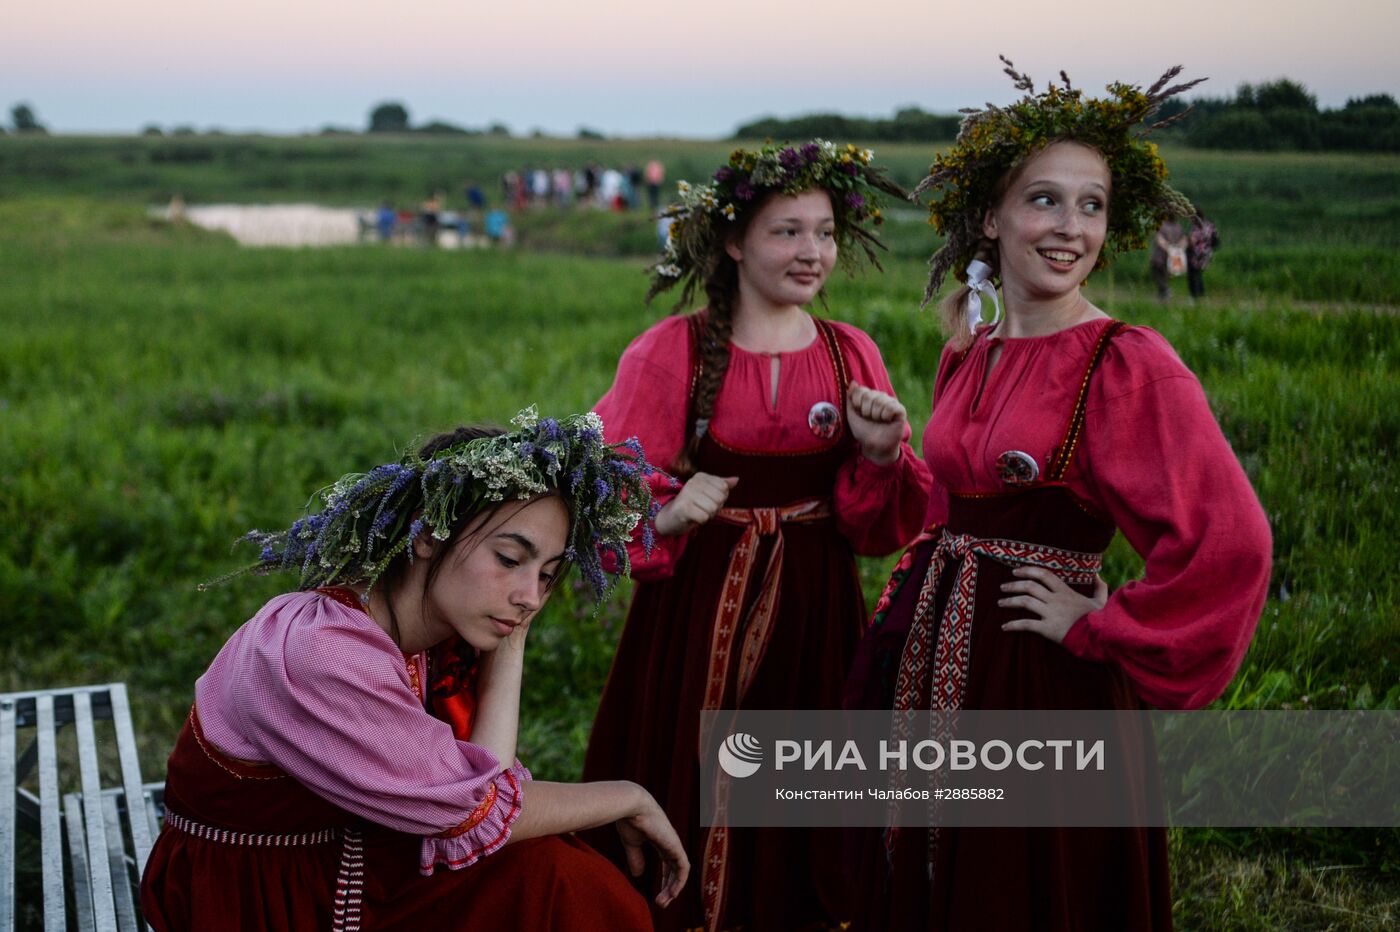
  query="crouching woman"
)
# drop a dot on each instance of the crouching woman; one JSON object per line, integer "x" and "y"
{"x": 349, "y": 761}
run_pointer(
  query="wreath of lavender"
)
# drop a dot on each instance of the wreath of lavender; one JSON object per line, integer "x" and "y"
{"x": 365, "y": 520}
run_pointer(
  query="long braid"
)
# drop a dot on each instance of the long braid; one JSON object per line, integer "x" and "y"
{"x": 721, "y": 287}
{"x": 953, "y": 308}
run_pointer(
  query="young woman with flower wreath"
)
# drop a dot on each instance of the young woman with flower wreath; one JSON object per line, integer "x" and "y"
{"x": 793, "y": 457}
{"x": 359, "y": 734}
{"x": 1053, "y": 427}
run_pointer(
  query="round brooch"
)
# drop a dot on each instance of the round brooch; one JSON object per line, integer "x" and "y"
{"x": 824, "y": 419}
{"x": 1017, "y": 468}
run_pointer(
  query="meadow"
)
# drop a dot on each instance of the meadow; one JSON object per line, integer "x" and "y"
{"x": 163, "y": 390}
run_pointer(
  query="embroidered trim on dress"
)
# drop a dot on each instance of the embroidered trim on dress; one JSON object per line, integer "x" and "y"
{"x": 475, "y": 819}
{"x": 219, "y": 758}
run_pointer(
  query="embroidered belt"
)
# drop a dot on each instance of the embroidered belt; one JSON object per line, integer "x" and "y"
{"x": 942, "y": 689}
{"x": 757, "y": 523}
{"x": 256, "y": 839}
{"x": 952, "y": 648}
{"x": 350, "y": 875}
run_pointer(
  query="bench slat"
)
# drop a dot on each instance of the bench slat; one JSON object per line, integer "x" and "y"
{"x": 118, "y": 862}
{"x": 77, "y": 851}
{"x": 7, "y": 815}
{"x": 50, "y": 835}
{"x": 103, "y": 908}
{"x": 141, "y": 836}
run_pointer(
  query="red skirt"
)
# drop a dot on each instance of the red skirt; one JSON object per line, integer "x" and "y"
{"x": 647, "y": 729}
{"x": 250, "y": 848}
{"x": 1008, "y": 879}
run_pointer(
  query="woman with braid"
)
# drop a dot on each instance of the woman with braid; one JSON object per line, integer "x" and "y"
{"x": 792, "y": 456}
{"x": 1052, "y": 428}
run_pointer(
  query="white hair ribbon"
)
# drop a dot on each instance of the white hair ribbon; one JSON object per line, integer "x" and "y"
{"x": 979, "y": 282}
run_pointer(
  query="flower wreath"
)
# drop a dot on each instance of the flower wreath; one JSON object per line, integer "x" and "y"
{"x": 704, "y": 214}
{"x": 963, "y": 180}
{"x": 365, "y": 520}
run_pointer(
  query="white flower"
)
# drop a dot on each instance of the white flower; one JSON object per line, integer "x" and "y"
{"x": 728, "y": 211}
{"x": 527, "y": 418}
{"x": 669, "y": 271}
{"x": 683, "y": 187}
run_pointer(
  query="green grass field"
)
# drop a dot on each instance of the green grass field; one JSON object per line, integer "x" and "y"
{"x": 163, "y": 390}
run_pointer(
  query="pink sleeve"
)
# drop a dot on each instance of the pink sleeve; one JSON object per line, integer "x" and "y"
{"x": 319, "y": 690}
{"x": 1156, "y": 460}
{"x": 878, "y": 508}
{"x": 648, "y": 401}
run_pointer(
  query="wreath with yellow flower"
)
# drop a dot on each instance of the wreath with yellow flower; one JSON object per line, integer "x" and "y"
{"x": 963, "y": 180}
{"x": 706, "y": 213}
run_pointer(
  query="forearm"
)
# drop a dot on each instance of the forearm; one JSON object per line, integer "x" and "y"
{"x": 556, "y": 808}
{"x": 497, "y": 721}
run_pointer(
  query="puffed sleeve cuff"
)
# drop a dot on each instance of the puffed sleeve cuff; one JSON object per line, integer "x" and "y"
{"x": 880, "y": 508}
{"x": 485, "y": 829}
{"x": 1079, "y": 641}
{"x": 870, "y": 471}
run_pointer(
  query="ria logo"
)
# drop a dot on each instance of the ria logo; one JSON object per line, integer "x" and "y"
{"x": 740, "y": 755}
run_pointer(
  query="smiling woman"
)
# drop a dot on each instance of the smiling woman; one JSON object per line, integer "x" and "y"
{"x": 794, "y": 454}
{"x": 360, "y": 733}
{"x": 1053, "y": 428}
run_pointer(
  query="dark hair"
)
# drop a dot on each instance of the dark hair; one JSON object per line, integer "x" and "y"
{"x": 394, "y": 574}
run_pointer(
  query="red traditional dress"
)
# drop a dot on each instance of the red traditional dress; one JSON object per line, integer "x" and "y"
{"x": 760, "y": 608}
{"x": 311, "y": 789}
{"x": 1037, "y": 462}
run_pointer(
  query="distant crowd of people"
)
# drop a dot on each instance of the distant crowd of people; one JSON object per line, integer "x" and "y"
{"x": 433, "y": 223}
{"x": 610, "y": 188}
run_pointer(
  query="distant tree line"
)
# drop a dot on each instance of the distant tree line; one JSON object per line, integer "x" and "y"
{"x": 1283, "y": 114}
{"x": 1276, "y": 115}
{"x": 909, "y": 124}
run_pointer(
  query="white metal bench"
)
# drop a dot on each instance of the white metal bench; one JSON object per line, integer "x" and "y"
{"x": 108, "y": 838}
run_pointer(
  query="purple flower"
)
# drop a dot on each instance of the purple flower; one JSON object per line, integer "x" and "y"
{"x": 549, "y": 429}
{"x": 267, "y": 555}
{"x": 724, "y": 174}
{"x": 381, "y": 523}
{"x": 414, "y": 530}
{"x": 811, "y": 152}
{"x": 405, "y": 476}
{"x": 850, "y": 168}
{"x": 527, "y": 450}
{"x": 743, "y": 191}
{"x": 790, "y": 160}
{"x": 601, "y": 487}
{"x": 855, "y": 201}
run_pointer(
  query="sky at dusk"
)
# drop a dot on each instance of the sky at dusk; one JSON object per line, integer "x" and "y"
{"x": 628, "y": 67}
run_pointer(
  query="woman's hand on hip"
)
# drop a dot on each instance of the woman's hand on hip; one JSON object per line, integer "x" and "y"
{"x": 877, "y": 422}
{"x": 1049, "y": 597}
{"x": 648, "y": 825}
{"x": 699, "y": 500}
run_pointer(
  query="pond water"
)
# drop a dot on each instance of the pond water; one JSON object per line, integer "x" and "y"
{"x": 279, "y": 224}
